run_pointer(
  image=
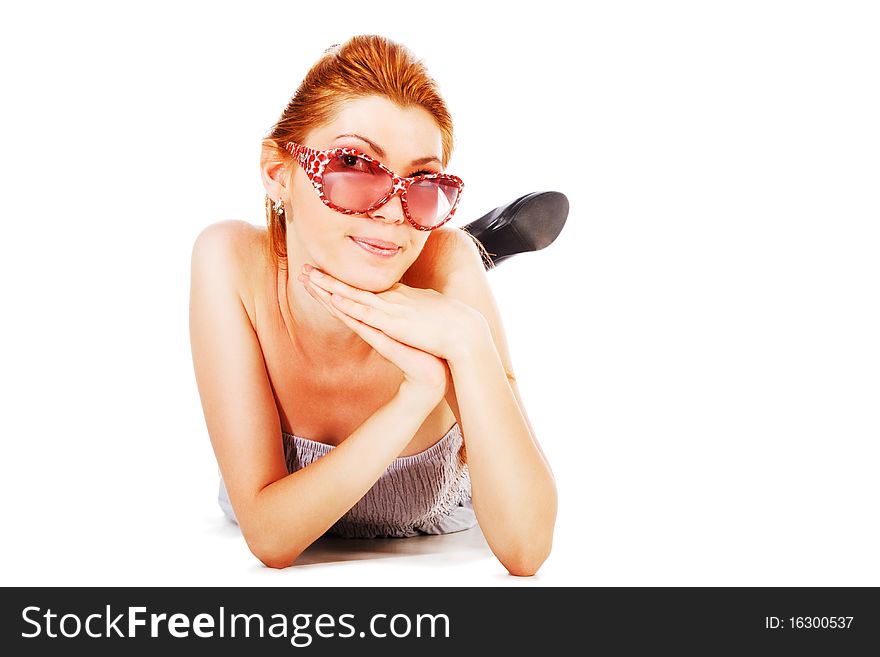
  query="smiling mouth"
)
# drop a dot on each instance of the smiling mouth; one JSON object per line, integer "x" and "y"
{"x": 376, "y": 248}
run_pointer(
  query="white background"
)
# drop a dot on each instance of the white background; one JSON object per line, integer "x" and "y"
{"x": 698, "y": 351}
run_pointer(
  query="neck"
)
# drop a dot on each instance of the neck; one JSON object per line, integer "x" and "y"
{"x": 314, "y": 331}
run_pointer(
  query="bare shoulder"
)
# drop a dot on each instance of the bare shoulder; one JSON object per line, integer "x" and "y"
{"x": 461, "y": 274}
{"x": 457, "y": 260}
{"x": 450, "y": 254}
{"x": 238, "y": 401}
{"x": 225, "y": 243}
{"x": 231, "y": 251}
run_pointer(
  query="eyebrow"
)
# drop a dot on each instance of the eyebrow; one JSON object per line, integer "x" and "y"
{"x": 381, "y": 153}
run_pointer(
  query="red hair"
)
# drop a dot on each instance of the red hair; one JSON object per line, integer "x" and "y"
{"x": 365, "y": 65}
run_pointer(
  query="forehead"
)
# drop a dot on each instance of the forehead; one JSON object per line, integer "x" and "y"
{"x": 404, "y": 133}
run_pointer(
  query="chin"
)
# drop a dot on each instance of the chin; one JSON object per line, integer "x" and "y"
{"x": 376, "y": 281}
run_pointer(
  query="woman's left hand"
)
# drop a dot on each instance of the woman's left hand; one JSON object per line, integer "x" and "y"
{"x": 422, "y": 318}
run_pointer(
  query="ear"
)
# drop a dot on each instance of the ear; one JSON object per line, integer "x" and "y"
{"x": 274, "y": 171}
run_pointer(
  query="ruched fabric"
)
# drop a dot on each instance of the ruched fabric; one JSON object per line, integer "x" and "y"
{"x": 425, "y": 493}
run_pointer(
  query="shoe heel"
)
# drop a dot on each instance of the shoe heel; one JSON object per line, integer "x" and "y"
{"x": 541, "y": 218}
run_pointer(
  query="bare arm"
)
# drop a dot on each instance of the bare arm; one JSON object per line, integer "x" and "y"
{"x": 280, "y": 514}
{"x": 293, "y": 512}
{"x": 514, "y": 491}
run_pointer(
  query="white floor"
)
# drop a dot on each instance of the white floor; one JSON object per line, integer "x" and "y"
{"x": 453, "y": 559}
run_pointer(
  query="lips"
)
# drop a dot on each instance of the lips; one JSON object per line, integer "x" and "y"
{"x": 379, "y": 244}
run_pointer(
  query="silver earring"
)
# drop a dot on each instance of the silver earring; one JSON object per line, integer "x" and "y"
{"x": 279, "y": 207}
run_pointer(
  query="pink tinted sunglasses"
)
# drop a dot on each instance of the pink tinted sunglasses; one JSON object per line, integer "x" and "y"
{"x": 352, "y": 182}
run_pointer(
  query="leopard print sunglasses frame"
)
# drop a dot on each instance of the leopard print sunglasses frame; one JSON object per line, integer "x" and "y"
{"x": 314, "y": 162}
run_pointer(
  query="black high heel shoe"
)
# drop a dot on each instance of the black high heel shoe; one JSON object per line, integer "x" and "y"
{"x": 530, "y": 223}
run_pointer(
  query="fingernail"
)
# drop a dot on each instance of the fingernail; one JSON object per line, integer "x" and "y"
{"x": 307, "y": 268}
{"x": 302, "y": 279}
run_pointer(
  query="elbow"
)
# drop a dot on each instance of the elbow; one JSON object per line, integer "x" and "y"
{"x": 272, "y": 556}
{"x": 279, "y": 562}
{"x": 529, "y": 551}
{"x": 276, "y": 559}
{"x": 526, "y": 562}
{"x": 273, "y": 548}
{"x": 523, "y": 567}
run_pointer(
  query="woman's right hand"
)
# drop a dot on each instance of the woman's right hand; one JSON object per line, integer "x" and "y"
{"x": 424, "y": 374}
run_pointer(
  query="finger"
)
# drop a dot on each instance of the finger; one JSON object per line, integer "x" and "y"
{"x": 334, "y": 285}
{"x": 315, "y": 293}
{"x": 326, "y": 299}
{"x": 386, "y": 346}
{"x": 366, "y": 314}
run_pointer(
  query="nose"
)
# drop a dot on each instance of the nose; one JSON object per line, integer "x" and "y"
{"x": 391, "y": 211}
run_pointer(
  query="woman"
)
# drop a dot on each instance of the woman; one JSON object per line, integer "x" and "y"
{"x": 333, "y": 350}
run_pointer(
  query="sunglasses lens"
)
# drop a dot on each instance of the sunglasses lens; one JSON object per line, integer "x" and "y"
{"x": 430, "y": 201}
{"x": 353, "y": 183}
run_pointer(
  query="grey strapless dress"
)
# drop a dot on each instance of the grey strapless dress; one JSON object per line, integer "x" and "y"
{"x": 425, "y": 493}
